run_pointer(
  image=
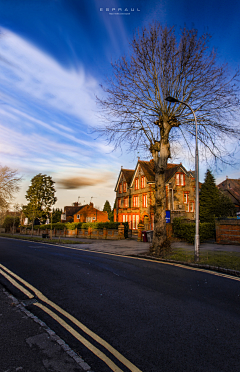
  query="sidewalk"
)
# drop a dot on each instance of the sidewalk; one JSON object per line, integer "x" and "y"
{"x": 28, "y": 345}
{"x": 133, "y": 247}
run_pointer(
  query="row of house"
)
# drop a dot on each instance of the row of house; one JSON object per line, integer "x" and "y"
{"x": 135, "y": 196}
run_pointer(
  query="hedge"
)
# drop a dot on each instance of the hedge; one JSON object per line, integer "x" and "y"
{"x": 57, "y": 226}
{"x": 79, "y": 225}
{"x": 102, "y": 225}
{"x": 186, "y": 231}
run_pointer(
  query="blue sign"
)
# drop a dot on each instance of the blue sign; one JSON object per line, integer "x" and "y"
{"x": 168, "y": 216}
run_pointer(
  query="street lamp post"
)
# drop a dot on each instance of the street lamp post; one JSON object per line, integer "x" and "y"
{"x": 196, "y": 246}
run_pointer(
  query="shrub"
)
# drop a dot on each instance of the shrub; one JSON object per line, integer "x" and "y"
{"x": 9, "y": 221}
{"x": 186, "y": 231}
{"x": 101, "y": 225}
{"x": 73, "y": 225}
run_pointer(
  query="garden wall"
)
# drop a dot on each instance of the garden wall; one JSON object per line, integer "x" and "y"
{"x": 228, "y": 232}
{"x": 89, "y": 233}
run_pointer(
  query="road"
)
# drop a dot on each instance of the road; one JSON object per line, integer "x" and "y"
{"x": 128, "y": 314}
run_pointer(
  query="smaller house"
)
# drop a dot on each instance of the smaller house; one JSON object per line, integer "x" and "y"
{"x": 87, "y": 213}
{"x": 69, "y": 212}
{"x": 231, "y": 188}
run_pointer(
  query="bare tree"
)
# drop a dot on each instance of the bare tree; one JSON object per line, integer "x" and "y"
{"x": 164, "y": 64}
{"x": 9, "y": 185}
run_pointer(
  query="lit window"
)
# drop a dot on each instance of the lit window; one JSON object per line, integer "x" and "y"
{"x": 144, "y": 201}
{"x": 124, "y": 186}
{"x": 143, "y": 182}
{"x": 135, "y": 201}
{"x": 119, "y": 203}
{"x": 180, "y": 179}
{"x": 120, "y": 188}
{"x": 135, "y": 221}
{"x": 136, "y": 183}
{"x": 126, "y": 202}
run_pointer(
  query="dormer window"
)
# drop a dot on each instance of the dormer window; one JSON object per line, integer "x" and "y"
{"x": 124, "y": 186}
{"x": 143, "y": 182}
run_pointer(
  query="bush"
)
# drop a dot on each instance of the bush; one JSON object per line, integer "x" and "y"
{"x": 73, "y": 225}
{"x": 102, "y": 225}
{"x": 9, "y": 221}
{"x": 186, "y": 231}
{"x": 79, "y": 225}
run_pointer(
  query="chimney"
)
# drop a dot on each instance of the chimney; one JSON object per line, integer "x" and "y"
{"x": 91, "y": 204}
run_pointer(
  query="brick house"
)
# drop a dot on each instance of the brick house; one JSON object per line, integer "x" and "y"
{"x": 87, "y": 213}
{"x": 135, "y": 197}
{"x": 231, "y": 188}
{"x": 69, "y": 211}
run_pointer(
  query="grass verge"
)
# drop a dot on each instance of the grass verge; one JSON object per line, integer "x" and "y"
{"x": 226, "y": 260}
{"x": 42, "y": 240}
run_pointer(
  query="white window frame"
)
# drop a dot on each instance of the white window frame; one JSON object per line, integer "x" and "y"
{"x": 137, "y": 183}
{"x": 144, "y": 201}
{"x": 135, "y": 201}
{"x": 185, "y": 198}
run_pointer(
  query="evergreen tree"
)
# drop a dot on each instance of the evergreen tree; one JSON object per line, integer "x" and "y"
{"x": 41, "y": 196}
{"x": 213, "y": 203}
{"x": 107, "y": 208}
{"x": 56, "y": 215}
{"x": 208, "y": 198}
{"x": 226, "y": 207}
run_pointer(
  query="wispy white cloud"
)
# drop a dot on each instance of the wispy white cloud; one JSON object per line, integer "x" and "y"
{"x": 36, "y": 74}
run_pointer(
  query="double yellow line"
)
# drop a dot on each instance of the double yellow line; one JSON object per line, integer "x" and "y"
{"x": 10, "y": 276}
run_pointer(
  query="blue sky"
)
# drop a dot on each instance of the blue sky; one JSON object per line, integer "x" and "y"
{"x": 54, "y": 54}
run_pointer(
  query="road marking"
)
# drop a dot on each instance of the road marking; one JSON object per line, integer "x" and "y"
{"x": 93, "y": 335}
{"x": 86, "y": 343}
{"x": 22, "y": 289}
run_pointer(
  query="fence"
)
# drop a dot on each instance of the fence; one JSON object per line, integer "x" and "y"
{"x": 228, "y": 231}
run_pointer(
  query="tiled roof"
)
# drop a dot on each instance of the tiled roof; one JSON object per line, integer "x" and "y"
{"x": 232, "y": 186}
{"x": 148, "y": 169}
{"x": 128, "y": 173}
{"x": 71, "y": 210}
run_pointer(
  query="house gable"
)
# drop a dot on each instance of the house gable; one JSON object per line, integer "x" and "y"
{"x": 125, "y": 175}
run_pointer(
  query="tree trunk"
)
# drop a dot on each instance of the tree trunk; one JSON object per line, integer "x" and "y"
{"x": 160, "y": 245}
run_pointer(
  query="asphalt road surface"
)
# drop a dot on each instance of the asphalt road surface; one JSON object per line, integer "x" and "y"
{"x": 128, "y": 314}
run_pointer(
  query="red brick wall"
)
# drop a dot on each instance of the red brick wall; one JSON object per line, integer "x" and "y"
{"x": 228, "y": 232}
{"x": 90, "y": 211}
